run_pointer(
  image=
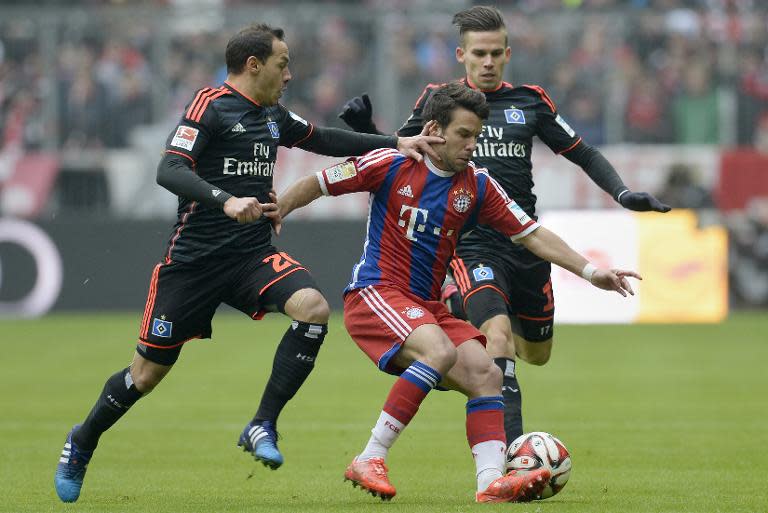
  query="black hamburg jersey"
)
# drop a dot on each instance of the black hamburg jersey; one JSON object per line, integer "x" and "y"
{"x": 232, "y": 143}
{"x": 504, "y": 147}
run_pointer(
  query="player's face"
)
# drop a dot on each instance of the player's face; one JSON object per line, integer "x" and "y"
{"x": 484, "y": 55}
{"x": 460, "y": 140}
{"x": 273, "y": 75}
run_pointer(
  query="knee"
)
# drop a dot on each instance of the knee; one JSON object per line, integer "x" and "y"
{"x": 497, "y": 341}
{"x": 145, "y": 379}
{"x": 491, "y": 376}
{"x": 443, "y": 355}
{"x": 312, "y": 307}
{"x": 537, "y": 353}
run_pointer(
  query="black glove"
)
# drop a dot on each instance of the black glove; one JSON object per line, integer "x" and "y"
{"x": 358, "y": 114}
{"x": 642, "y": 202}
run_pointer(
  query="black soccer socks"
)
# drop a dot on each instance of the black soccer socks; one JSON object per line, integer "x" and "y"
{"x": 513, "y": 400}
{"x": 118, "y": 396}
{"x": 294, "y": 360}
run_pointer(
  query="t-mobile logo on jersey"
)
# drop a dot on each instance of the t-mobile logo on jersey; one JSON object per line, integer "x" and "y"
{"x": 413, "y": 218}
{"x": 412, "y": 214}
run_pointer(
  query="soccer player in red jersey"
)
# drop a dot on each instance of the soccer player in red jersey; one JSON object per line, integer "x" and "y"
{"x": 503, "y": 288}
{"x": 392, "y": 308}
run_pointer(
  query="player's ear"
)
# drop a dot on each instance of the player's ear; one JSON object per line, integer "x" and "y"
{"x": 253, "y": 64}
{"x": 460, "y": 54}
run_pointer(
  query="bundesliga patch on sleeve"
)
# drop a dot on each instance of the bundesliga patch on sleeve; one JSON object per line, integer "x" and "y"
{"x": 565, "y": 126}
{"x": 298, "y": 118}
{"x": 518, "y": 212}
{"x": 340, "y": 172}
{"x": 185, "y": 137}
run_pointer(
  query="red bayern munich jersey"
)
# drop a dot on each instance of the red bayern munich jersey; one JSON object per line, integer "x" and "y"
{"x": 417, "y": 213}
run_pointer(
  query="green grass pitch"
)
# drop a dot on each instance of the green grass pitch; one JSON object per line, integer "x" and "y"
{"x": 657, "y": 419}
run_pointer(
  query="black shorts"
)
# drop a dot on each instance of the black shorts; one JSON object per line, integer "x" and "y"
{"x": 184, "y": 296}
{"x": 514, "y": 284}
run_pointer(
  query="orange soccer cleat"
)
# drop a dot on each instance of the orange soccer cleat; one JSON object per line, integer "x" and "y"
{"x": 371, "y": 475}
{"x": 516, "y": 487}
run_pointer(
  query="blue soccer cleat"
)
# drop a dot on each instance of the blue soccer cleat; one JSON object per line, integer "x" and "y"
{"x": 70, "y": 471}
{"x": 261, "y": 441}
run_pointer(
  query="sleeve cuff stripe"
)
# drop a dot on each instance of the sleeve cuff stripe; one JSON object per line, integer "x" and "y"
{"x": 525, "y": 232}
{"x": 321, "y": 180}
{"x": 182, "y": 154}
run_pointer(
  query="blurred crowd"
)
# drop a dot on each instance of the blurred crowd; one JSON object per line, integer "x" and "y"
{"x": 644, "y": 71}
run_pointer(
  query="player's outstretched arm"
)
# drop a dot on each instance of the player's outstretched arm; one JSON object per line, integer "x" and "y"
{"x": 548, "y": 246}
{"x": 300, "y": 194}
{"x": 600, "y": 170}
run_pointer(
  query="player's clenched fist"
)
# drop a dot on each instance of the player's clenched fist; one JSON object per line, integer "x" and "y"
{"x": 243, "y": 210}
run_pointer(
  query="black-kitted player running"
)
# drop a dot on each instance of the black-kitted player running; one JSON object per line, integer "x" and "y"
{"x": 219, "y": 160}
{"x": 505, "y": 289}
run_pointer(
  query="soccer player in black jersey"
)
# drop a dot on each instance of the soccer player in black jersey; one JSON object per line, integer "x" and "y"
{"x": 505, "y": 289}
{"x": 219, "y": 160}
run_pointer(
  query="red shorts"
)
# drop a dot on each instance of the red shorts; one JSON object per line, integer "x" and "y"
{"x": 380, "y": 318}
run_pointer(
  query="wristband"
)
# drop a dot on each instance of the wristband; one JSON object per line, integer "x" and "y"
{"x": 588, "y": 271}
{"x": 618, "y": 198}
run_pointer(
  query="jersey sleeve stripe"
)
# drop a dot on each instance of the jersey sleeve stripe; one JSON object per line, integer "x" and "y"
{"x": 198, "y": 114}
{"x": 374, "y": 154}
{"x": 363, "y": 164}
{"x": 569, "y": 148}
{"x": 195, "y": 102}
{"x": 502, "y": 192}
{"x": 182, "y": 154}
{"x": 543, "y": 94}
{"x": 311, "y": 131}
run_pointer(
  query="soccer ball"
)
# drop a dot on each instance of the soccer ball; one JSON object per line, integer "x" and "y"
{"x": 541, "y": 450}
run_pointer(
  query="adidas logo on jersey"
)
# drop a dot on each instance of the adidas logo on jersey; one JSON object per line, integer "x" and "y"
{"x": 238, "y": 128}
{"x": 406, "y": 191}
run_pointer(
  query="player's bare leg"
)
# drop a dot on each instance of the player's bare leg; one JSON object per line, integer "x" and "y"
{"x": 426, "y": 354}
{"x": 294, "y": 360}
{"x": 477, "y": 377}
{"x": 501, "y": 348}
{"x": 504, "y": 346}
{"x": 121, "y": 391}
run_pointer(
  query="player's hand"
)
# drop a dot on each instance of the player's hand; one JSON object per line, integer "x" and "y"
{"x": 642, "y": 202}
{"x": 275, "y": 217}
{"x": 244, "y": 210}
{"x": 415, "y": 147}
{"x": 358, "y": 114}
{"x": 614, "y": 279}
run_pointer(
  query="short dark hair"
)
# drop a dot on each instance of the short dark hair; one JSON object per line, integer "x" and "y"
{"x": 447, "y": 98}
{"x": 480, "y": 18}
{"x": 255, "y": 40}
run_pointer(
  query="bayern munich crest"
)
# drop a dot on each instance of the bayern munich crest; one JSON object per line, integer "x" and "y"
{"x": 462, "y": 200}
{"x": 414, "y": 312}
